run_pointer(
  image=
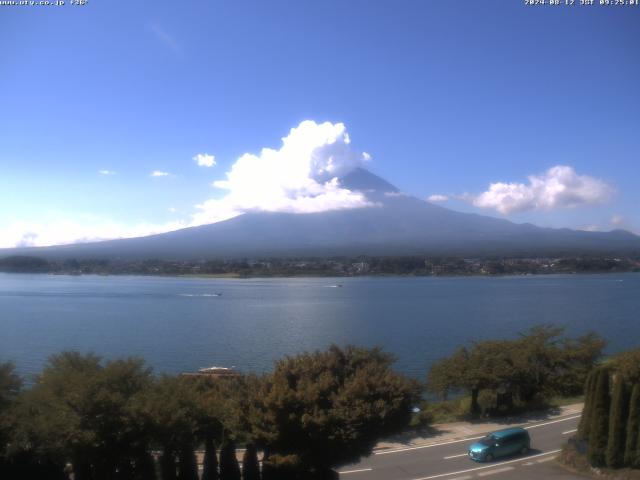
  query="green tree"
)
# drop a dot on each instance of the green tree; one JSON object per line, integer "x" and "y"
{"x": 585, "y": 418}
{"x": 617, "y": 424}
{"x": 188, "y": 467}
{"x": 210, "y": 462}
{"x": 529, "y": 370}
{"x": 250, "y": 465}
{"x": 81, "y": 411}
{"x": 631, "y": 451}
{"x": 330, "y": 408}
{"x": 628, "y": 365}
{"x": 599, "y": 428}
{"x": 229, "y": 468}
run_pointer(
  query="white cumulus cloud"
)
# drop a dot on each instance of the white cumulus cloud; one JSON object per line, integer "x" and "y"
{"x": 106, "y": 172}
{"x": 558, "y": 187}
{"x": 205, "y": 160}
{"x": 302, "y": 176}
{"x": 159, "y": 173}
{"x": 437, "y": 198}
{"x": 67, "y": 230}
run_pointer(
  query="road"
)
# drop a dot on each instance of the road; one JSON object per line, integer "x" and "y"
{"x": 449, "y": 461}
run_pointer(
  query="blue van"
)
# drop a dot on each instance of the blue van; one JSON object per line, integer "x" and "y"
{"x": 500, "y": 444}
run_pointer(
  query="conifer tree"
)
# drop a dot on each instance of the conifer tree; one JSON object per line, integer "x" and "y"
{"x": 168, "y": 465}
{"x": 599, "y": 421}
{"x": 585, "y": 419}
{"x": 229, "y": 468}
{"x": 210, "y": 464}
{"x": 188, "y": 467}
{"x": 617, "y": 424}
{"x": 631, "y": 457}
{"x": 250, "y": 466}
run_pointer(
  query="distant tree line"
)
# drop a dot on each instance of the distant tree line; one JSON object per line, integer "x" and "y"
{"x": 502, "y": 376}
{"x": 320, "y": 266}
{"x": 609, "y": 430}
{"x": 115, "y": 420}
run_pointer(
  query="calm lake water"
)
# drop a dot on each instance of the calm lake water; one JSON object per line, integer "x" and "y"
{"x": 180, "y": 324}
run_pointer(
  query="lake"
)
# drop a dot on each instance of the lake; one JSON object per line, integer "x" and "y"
{"x": 182, "y": 324}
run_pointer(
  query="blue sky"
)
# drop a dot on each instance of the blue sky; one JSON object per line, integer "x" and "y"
{"x": 447, "y": 98}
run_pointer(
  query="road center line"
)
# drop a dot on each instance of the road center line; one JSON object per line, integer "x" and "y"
{"x": 569, "y": 431}
{"x": 486, "y": 466}
{"x": 456, "y": 456}
{"x": 386, "y": 452}
{"x": 356, "y": 471}
{"x": 419, "y": 447}
{"x": 553, "y": 421}
{"x": 497, "y": 470}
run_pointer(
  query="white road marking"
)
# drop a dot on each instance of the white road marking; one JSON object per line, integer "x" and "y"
{"x": 485, "y": 467}
{"x": 466, "y": 477}
{"x": 456, "y": 456}
{"x": 545, "y": 459}
{"x": 570, "y": 431}
{"x": 553, "y": 421}
{"x": 386, "y": 452}
{"x": 528, "y": 464}
{"x": 406, "y": 449}
{"x": 497, "y": 470}
{"x": 356, "y": 471}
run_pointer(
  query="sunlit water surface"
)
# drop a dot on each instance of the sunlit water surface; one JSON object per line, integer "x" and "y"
{"x": 181, "y": 324}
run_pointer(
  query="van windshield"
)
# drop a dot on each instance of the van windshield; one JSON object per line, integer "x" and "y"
{"x": 488, "y": 440}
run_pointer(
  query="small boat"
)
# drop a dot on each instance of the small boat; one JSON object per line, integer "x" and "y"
{"x": 214, "y": 372}
{"x": 218, "y": 371}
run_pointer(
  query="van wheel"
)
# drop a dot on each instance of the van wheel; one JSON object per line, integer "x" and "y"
{"x": 488, "y": 458}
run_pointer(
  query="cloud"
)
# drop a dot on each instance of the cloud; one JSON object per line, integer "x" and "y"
{"x": 558, "y": 187}
{"x": 106, "y": 172}
{"x": 205, "y": 160}
{"x": 164, "y": 37}
{"x": 67, "y": 230}
{"x": 437, "y": 198}
{"x": 617, "y": 220}
{"x": 302, "y": 176}
{"x": 590, "y": 228}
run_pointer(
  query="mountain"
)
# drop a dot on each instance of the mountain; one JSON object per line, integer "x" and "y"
{"x": 398, "y": 225}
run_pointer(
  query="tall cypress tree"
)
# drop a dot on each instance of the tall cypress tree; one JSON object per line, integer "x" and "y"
{"x": 585, "y": 419}
{"x": 599, "y": 426}
{"x": 631, "y": 458}
{"x": 168, "y": 465}
{"x": 250, "y": 466}
{"x": 617, "y": 424}
{"x": 210, "y": 463}
{"x": 229, "y": 468}
{"x": 187, "y": 463}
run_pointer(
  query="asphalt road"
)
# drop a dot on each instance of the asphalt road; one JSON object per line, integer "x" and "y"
{"x": 449, "y": 461}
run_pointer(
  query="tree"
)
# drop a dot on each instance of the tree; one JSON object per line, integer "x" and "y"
{"x": 628, "y": 365}
{"x": 250, "y": 465}
{"x": 330, "y": 408}
{"x": 530, "y": 369}
{"x": 171, "y": 412}
{"x": 210, "y": 463}
{"x": 82, "y": 411}
{"x": 599, "y": 428}
{"x": 617, "y": 424}
{"x": 631, "y": 451}
{"x": 188, "y": 467}
{"x": 229, "y": 468}
{"x": 585, "y": 418}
